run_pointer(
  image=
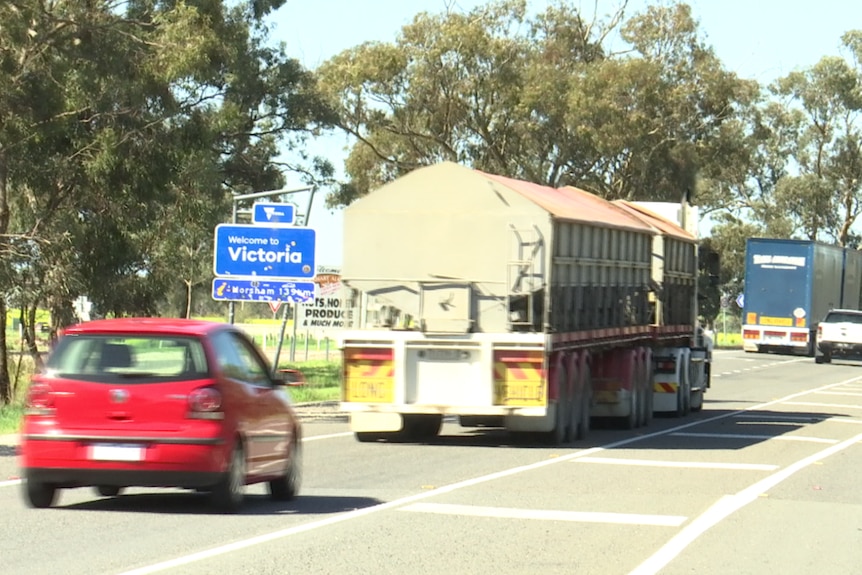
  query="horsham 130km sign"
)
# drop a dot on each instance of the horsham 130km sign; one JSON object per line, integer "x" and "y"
{"x": 275, "y": 252}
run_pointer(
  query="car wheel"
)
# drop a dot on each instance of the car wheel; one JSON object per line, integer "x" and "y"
{"x": 286, "y": 487}
{"x": 39, "y": 495}
{"x": 108, "y": 490}
{"x": 230, "y": 490}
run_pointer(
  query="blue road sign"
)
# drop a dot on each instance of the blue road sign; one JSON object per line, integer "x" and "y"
{"x": 230, "y": 289}
{"x": 273, "y": 214}
{"x": 740, "y": 300}
{"x": 250, "y": 251}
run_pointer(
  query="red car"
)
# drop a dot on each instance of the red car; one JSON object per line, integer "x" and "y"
{"x": 155, "y": 402}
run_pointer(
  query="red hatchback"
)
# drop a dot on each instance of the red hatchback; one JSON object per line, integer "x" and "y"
{"x": 157, "y": 402}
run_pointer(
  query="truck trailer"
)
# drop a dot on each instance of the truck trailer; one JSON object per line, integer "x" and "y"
{"x": 790, "y": 285}
{"x": 511, "y": 304}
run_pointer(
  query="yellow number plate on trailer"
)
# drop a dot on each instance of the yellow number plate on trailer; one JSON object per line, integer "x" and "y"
{"x": 519, "y": 378}
{"x": 368, "y": 378}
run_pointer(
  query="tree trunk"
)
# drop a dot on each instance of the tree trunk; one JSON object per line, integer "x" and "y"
{"x": 28, "y": 331}
{"x": 5, "y": 384}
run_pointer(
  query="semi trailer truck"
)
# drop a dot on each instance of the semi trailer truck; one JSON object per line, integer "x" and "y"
{"x": 790, "y": 285}
{"x": 511, "y": 304}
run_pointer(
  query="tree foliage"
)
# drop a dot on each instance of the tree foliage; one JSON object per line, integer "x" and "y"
{"x": 542, "y": 98}
{"x": 124, "y": 129}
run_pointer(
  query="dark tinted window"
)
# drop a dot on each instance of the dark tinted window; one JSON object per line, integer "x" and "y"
{"x": 843, "y": 317}
{"x": 237, "y": 359}
{"x": 127, "y": 358}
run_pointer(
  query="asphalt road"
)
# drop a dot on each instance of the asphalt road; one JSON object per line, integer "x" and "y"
{"x": 764, "y": 480}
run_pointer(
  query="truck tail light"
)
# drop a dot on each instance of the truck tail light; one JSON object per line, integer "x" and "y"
{"x": 205, "y": 403}
{"x": 665, "y": 365}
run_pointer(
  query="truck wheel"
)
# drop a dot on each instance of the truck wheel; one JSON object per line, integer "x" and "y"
{"x": 697, "y": 401}
{"x": 585, "y": 405}
{"x": 562, "y": 417}
{"x": 420, "y": 426}
{"x": 647, "y": 401}
{"x": 683, "y": 391}
{"x": 632, "y": 420}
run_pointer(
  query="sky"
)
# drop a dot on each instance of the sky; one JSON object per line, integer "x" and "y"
{"x": 758, "y": 39}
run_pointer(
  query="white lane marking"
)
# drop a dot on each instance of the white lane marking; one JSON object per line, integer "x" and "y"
{"x": 12, "y": 482}
{"x": 728, "y": 505}
{"x": 844, "y": 420}
{"x": 684, "y": 464}
{"x": 329, "y": 436}
{"x": 758, "y": 437}
{"x": 848, "y": 393}
{"x": 275, "y": 535}
{"x": 830, "y": 405}
{"x": 547, "y": 515}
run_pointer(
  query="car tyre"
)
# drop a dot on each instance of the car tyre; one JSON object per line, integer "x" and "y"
{"x": 229, "y": 492}
{"x": 39, "y": 495}
{"x": 108, "y": 490}
{"x": 286, "y": 487}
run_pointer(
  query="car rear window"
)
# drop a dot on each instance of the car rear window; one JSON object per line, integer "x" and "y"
{"x": 128, "y": 359}
{"x": 843, "y": 317}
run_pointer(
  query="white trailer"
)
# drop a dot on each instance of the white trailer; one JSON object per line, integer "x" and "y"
{"x": 513, "y": 304}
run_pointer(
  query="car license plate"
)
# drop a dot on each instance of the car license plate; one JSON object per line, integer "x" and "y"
{"x": 116, "y": 452}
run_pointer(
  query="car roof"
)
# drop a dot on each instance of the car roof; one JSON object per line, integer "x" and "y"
{"x": 841, "y": 310}
{"x": 147, "y": 325}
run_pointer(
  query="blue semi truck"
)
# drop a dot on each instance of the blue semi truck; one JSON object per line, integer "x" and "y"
{"x": 790, "y": 285}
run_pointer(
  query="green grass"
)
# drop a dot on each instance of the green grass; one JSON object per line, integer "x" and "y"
{"x": 20, "y": 370}
{"x": 10, "y": 417}
{"x": 728, "y": 339}
{"x": 323, "y": 381}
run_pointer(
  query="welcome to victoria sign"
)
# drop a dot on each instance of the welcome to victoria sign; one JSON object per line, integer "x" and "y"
{"x": 263, "y": 263}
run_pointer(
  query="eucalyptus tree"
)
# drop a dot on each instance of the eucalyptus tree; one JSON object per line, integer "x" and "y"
{"x": 823, "y": 191}
{"x": 552, "y": 98}
{"x": 124, "y": 128}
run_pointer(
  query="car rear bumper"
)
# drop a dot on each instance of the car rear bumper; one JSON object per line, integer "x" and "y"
{"x": 74, "y": 477}
{"x": 840, "y": 348}
{"x": 73, "y": 459}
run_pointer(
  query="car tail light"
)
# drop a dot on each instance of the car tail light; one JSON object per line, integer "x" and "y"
{"x": 205, "y": 403}
{"x": 40, "y": 399}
